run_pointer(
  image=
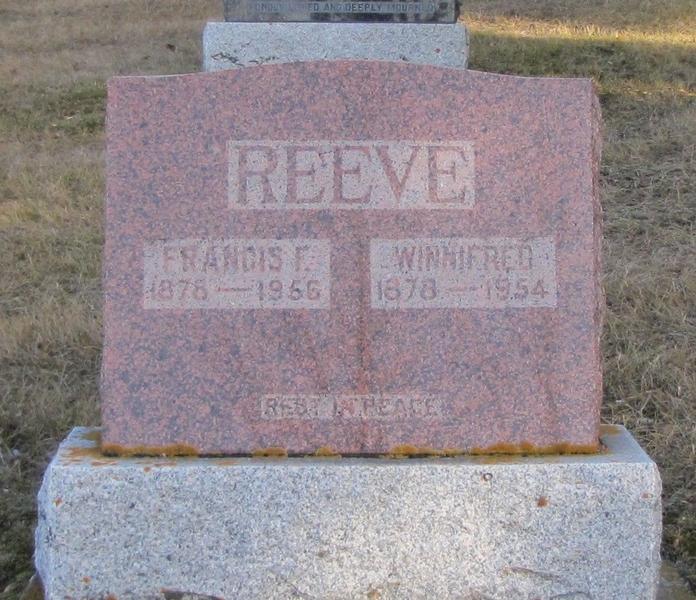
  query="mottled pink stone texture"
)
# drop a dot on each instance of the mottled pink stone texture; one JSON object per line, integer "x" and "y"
{"x": 229, "y": 379}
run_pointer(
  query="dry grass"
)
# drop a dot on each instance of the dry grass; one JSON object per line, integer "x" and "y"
{"x": 642, "y": 54}
{"x": 54, "y": 58}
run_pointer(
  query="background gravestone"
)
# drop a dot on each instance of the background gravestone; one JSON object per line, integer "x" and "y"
{"x": 419, "y": 11}
{"x": 260, "y": 32}
{"x": 289, "y": 265}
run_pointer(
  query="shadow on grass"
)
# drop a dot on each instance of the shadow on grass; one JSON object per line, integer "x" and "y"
{"x": 648, "y": 94}
{"x": 664, "y": 14}
{"x": 644, "y": 66}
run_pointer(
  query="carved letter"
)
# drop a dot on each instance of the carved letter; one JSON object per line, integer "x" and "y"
{"x": 247, "y": 171}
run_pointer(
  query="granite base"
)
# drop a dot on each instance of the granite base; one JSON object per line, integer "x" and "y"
{"x": 233, "y": 45}
{"x": 508, "y": 528}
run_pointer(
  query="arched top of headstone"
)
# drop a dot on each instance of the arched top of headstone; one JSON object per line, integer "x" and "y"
{"x": 355, "y": 255}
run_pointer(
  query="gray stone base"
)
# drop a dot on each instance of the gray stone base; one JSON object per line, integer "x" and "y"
{"x": 507, "y": 528}
{"x": 231, "y": 45}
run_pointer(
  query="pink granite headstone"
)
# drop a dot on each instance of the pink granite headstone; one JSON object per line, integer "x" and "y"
{"x": 354, "y": 255}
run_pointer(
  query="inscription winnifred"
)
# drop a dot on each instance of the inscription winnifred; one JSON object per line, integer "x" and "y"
{"x": 350, "y": 175}
{"x": 350, "y": 407}
{"x": 463, "y": 273}
{"x": 229, "y": 274}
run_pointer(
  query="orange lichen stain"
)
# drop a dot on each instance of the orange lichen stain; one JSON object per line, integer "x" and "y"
{"x": 86, "y": 580}
{"x": 494, "y": 452}
{"x": 92, "y": 436}
{"x": 326, "y": 452}
{"x": 452, "y": 452}
{"x": 542, "y": 502}
{"x": 111, "y": 597}
{"x": 500, "y": 448}
{"x": 147, "y": 469}
{"x": 170, "y": 450}
{"x": 225, "y": 462}
{"x": 103, "y": 463}
{"x": 528, "y": 449}
{"x": 58, "y": 501}
{"x": 408, "y": 451}
{"x": 76, "y": 454}
{"x": 373, "y": 595}
{"x": 272, "y": 452}
{"x": 609, "y": 430}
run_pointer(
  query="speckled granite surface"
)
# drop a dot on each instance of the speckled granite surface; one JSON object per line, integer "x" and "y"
{"x": 496, "y": 528}
{"x": 237, "y": 45}
{"x": 355, "y": 255}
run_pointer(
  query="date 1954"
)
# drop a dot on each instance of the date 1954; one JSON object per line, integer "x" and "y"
{"x": 489, "y": 273}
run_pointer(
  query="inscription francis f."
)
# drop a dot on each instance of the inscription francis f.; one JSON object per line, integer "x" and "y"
{"x": 351, "y": 175}
{"x": 243, "y": 273}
